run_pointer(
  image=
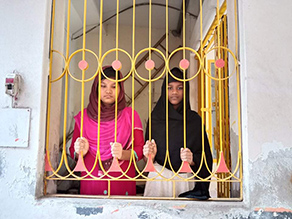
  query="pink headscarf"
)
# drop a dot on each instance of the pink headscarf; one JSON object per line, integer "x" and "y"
{"x": 107, "y": 123}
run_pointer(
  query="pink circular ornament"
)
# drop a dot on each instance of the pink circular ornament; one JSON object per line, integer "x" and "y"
{"x": 83, "y": 65}
{"x": 184, "y": 64}
{"x": 220, "y": 63}
{"x": 117, "y": 65}
{"x": 149, "y": 64}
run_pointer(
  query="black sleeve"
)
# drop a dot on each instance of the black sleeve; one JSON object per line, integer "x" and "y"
{"x": 197, "y": 155}
{"x": 147, "y": 131}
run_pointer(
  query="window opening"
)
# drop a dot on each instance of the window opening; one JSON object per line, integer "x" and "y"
{"x": 217, "y": 78}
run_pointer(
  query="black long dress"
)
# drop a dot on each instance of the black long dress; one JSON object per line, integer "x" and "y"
{"x": 176, "y": 137}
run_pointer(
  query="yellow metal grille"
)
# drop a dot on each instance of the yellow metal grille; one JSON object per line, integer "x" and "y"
{"x": 214, "y": 43}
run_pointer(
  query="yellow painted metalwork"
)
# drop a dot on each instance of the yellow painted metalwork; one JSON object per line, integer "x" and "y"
{"x": 223, "y": 111}
{"x": 223, "y": 118}
{"x": 214, "y": 42}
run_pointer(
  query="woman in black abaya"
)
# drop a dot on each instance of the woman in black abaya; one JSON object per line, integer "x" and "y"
{"x": 177, "y": 153}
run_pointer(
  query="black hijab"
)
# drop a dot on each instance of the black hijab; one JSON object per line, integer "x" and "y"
{"x": 176, "y": 130}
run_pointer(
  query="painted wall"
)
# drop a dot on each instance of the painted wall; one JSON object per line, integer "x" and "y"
{"x": 266, "y": 92}
{"x": 266, "y": 99}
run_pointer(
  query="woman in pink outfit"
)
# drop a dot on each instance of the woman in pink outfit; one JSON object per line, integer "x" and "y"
{"x": 108, "y": 148}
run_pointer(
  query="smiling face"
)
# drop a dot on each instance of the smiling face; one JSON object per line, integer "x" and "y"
{"x": 108, "y": 92}
{"x": 175, "y": 93}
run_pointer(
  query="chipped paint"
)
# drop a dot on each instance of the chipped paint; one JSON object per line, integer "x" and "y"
{"x": 144, "y": 215}
{"x": 273, "y": 209}
{"x": 269, "y": 180}
{"x": 278, "y": 210}
{"x": 89, "y": 211}
{"x": 271, "y": 147}
{"x": 266, "y": 213}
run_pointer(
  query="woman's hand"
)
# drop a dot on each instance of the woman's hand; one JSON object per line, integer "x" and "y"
{"x": 187, "y": 155}
{"x": 81, "y": 144}
{"x": 117, "y": 150}
{"x": 150, "y": 148}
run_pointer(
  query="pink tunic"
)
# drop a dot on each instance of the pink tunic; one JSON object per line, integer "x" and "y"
{"x": 100, "y": 187}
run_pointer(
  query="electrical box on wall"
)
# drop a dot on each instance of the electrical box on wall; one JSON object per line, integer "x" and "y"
{"x": 15, "y": 126}
{"x": 12, "y": 83}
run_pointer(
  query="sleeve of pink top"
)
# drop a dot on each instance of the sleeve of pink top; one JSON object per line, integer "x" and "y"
{"x": 76, "y": 134}
{"x": 138, "y": 136}
{"x": 138, "y": 143}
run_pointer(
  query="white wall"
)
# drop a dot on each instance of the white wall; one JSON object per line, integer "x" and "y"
{"x": 25, "y": 48}
{"x": 266, "y": 92}
{"x": 265, "y": 63}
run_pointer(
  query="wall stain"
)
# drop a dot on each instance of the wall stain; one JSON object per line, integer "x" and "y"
{"x": 144, "y": 215}
{"x": 89, "y": 211}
